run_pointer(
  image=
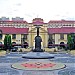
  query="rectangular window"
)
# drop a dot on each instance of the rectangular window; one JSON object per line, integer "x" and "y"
{"x": 24, "y": 36}
{"x": 13, "y": 36}
{"x": 0, "y": 36}
{"x": 61, "y": 36}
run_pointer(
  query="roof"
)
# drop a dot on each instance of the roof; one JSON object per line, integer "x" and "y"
{"x": 40, "y": 19}
{"x": 13, "y": 30}
{"x": 62, "y": 21}
{"x": 61, "y": 30}
{"x": 37, "y": 21}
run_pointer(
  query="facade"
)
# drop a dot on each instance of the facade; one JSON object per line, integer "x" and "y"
{"x": 55, "y": 31}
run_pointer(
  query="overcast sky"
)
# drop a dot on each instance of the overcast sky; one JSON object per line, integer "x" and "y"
{"x": 46, "y": 9}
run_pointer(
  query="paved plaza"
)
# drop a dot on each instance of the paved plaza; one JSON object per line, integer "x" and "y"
{"x": 15, "y": 57}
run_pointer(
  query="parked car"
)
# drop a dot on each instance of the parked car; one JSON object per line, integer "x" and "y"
{"x": 15, "y": 48}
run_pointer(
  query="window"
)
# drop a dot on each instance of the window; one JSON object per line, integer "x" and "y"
{"x": 61, "y": 36}
{"x": 13, "y": 36}
{"x": 24, "y": 36}
{"x": 0, "y": 36}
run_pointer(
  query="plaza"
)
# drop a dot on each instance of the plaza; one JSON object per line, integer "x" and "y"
{"x": 11, "y": 58}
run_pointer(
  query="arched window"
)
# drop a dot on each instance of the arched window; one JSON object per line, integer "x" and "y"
{"x": 13, "y": 42}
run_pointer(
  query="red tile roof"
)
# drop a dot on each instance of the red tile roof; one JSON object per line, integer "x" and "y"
{"x": 61, "y": 30}
{"x": 13, "y": 30}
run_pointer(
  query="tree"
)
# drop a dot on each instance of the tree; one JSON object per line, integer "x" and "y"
{"x": 70, "y": 41}
{"x": 7, "y": 42}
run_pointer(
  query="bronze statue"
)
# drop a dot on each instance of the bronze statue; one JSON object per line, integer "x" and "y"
{"x": 38, "y": 41}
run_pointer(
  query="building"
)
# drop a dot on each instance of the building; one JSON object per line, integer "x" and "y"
{"x": 54, "y": 32}
{"x": 58, "y": 30}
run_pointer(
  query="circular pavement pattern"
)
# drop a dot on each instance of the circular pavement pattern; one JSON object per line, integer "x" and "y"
{"x": 38, "y": 65}
{"x": 68, "y": 71}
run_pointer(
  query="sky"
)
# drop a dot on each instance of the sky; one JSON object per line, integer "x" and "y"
{"x": 45, "y": 9}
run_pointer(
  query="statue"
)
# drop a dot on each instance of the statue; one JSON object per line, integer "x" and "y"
{"x": 37, "y": 52}
{"x": 38, "y": 41}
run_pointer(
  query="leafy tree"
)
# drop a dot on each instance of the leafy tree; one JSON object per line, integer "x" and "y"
{"x": 70, "y": 41}
{"x": 7, "y": 42}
